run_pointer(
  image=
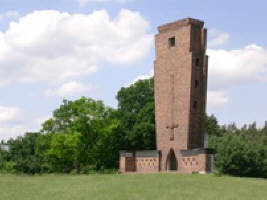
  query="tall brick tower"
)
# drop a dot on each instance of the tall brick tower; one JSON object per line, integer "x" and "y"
{"x": 180, "y": 90}
{"x": 180, "y": 103}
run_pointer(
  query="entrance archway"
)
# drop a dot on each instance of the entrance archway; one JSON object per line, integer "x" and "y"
{"x": 171, "y": 161}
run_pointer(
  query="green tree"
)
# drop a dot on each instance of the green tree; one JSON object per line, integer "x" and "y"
{"x": 137, "y": 115}
{"x": 211, "y": 126}
{"x": 63, "y": 155}
{"x": 237, "y": 156}
{"x": 92, "y": 120}
{"x": 22, "y": 153}
{"x": 43, "y": 144}
{"x": 3, "y": 158}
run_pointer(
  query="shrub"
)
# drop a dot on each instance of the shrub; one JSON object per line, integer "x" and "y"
{"x": 9, "y": 167}
{"x": 238, "y": 157}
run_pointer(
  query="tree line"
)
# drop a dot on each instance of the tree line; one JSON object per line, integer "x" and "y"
{"x": 85, "y": 136}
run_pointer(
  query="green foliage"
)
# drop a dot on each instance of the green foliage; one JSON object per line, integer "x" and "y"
{"x": 9, "y": 167}
{"x": 211, "y": 125}
{"x": 241, "y": 152}
{"x": 22, "y": 153}
{"x": 83, "y": 135}
{"x": 137, "y": 115}
{"x": 3, "y": 158}
{"x": 43, "y": 145}
{"x": 133, "y": 98}
{"x": 64, "y": 152}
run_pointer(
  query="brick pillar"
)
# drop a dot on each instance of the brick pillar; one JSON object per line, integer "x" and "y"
{"x": 122, "y": 164}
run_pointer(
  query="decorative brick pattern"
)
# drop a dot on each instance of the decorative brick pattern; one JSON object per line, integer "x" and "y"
{"x": 140, "y": 161}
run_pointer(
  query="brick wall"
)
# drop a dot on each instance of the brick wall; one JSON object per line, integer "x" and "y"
{"x": 196, "y": 160}
{"x": 186, "y": 62}
{"x": 139, "y": 161}
{"x": 147, "y": 164}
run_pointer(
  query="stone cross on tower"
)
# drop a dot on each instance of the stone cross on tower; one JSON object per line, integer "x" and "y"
{"x": 172, "y": 124}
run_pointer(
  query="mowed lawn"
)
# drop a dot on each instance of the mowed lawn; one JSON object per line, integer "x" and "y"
{"x": 131, "y": 187}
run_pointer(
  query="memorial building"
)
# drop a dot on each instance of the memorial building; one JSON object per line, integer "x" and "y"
{"x": 181, "y": 69}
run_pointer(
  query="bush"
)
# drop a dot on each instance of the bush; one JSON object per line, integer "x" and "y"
{"x": 88, "y": 169}
{"x": 238, "y": 157}
{"x": 9, "y": 167}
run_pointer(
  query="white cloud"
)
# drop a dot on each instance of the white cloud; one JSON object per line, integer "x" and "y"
{"x": 8, "y": 113}
{"x": 217, "y": 38}
{"x": 54, "y": 47}
{"x": 217, "y": 98}
{"x": 7, "y": 132}
{"x": 12, "y": 129}
{"x": 12, "y": 14}
{"x": 241, "y": 66}
{"x": 228, "y": 69}
{"x": 7, "y": 116}
{"x": 84, "y": 2}
{"x": 41, "y": 120}
{"x": 69, "y": 89}
{"x": 142, "y": 77}
{"x": 9, "y": 14}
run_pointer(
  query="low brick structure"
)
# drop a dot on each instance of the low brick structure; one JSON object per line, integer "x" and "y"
{"x": 196, "y": 160}
{"x": 140, "y": 161}
{"x": 189, "y": 161}
{"x": 181, "y": 70}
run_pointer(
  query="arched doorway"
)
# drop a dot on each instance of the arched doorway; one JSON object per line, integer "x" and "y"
{"x": 171, "y": 161}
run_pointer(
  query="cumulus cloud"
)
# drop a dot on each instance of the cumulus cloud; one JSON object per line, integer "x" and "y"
{"x": 9, "y": 113}
{"x": 55, "y": 47}
{"x": 217, "y": 98}
{"x": 41, "y": 120}
{"x": 17, "y": 126}
{"x": 231, "y": 68}
{"x": 240, "y": 66}
{"x": 142, "y": 77}
{"x": 7, "y": 132}
{"x": 217, "y": 38}
{"x": 84, "y": 2}
{"x": 9, "y": 14}
{"x": 69, "y": 89}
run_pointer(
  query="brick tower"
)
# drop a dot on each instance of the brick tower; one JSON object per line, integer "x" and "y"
{"x": 180, "y": 102}
{"x": 180, "y": 91}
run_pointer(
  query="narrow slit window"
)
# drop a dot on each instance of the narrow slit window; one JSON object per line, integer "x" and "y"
{"x": 172, "y": 42}
{"x": 196, "y": 83}
{"x": 197, "y": 62}
{"x": 195, "y": 105}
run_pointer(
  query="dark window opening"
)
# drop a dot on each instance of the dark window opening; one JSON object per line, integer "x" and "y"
{"x": 195, "y": 105}
{"x": 196, "y": 83}
{"x": 197, "y": 62}
{"x": 172, "y": 42}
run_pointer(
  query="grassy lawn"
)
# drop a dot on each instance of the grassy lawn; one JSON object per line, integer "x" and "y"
{"x": 131, "y": 187}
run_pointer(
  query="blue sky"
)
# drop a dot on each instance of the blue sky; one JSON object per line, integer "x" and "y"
{"x": 69, "y": 48}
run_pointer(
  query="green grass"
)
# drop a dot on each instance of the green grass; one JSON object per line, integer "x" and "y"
{"x": 131, "y": 187}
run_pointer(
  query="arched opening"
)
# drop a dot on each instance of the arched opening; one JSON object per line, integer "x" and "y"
{"x": 171, "y": 161}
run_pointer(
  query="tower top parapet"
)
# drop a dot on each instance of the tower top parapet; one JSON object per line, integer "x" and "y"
{"x": 180, "y": 23}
